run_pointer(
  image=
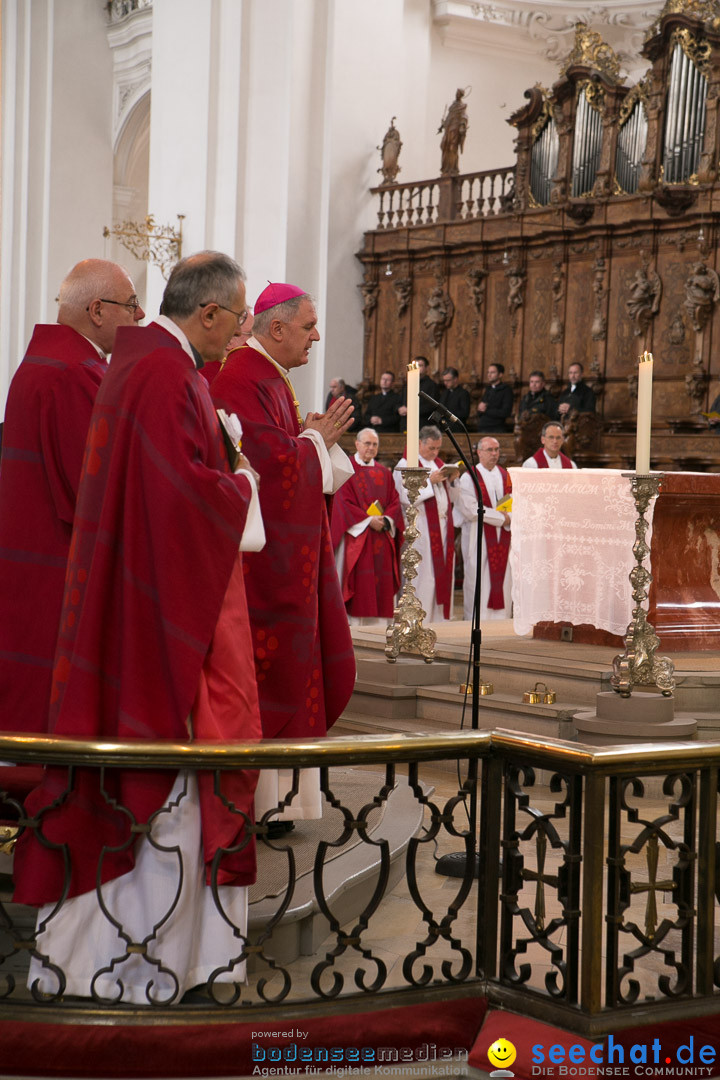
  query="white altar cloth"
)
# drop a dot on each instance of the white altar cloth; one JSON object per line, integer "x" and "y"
{"x": 571, "y": 552}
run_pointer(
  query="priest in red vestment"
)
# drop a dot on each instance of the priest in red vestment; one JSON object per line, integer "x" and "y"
{"x": 550, "y": 455}
{"x": 435, "y": 581}
{"x": 367, "y": 534}
{"x": 154, "y": 643}
{"x": 302, "y": 647}
{"x": 46, "y": 423}
{"x": 495, "y": 575}
{"x": 214, "y": 367}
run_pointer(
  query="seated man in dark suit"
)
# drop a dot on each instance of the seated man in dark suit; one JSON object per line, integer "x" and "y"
{"x": 382, "y": 409}
{"x": 497, "y": 401}
{"x": 577, "y": 394}
{"x": 339, "y": 388}
{"x": 428, "y": 386}
{"x": 538, "y": 398}
{"x": 455, "y": 397}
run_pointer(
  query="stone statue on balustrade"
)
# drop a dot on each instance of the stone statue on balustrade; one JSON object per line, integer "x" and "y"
{"x": 454, "y": 126}
{"x": 439, "y": 315}
{"x": 390, "y": 154}
{"x": 702, "y": 292}
{"x": 643, "y": 301}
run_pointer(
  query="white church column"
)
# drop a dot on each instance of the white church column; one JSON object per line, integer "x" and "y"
{"x": 56, "y": 158}
{"x": 194, "y": 124}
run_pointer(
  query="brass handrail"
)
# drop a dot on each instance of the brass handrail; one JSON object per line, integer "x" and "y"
{"x": 361, "y": 749}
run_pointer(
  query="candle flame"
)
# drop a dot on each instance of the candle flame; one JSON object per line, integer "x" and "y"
{"x": 413, "y": 365}
{"x": 646, "y": 358}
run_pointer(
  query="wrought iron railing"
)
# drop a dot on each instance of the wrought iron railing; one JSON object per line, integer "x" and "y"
{"x": 594, "y": 908}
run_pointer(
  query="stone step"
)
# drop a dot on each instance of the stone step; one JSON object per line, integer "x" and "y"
{"x": 509, "y": 673}
{"x": 498, "y": 710}
{"x": 351, "y": 723}
{"x": 440, "y": 710}
{"x": 349, "y": 883}
{"x": 405, "y": 671}
{"x": 574, "y": 681}
{"x": 386, "y": 701}
{"x": 708, "y": 726}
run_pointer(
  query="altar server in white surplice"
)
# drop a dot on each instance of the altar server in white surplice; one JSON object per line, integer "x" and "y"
{"x": 434, "y": 583}
{"x": 495, "y": 578}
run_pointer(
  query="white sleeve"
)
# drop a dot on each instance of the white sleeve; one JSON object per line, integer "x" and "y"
{"x": 530, "y": 463}
{"x": 466, "y": 504}
{"x": 335, "y": 464}
{"x": 360, "y": 526}
{"x": 253, "y": 537}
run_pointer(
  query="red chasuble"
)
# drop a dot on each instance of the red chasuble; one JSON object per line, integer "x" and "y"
{"x": 46, "y": 424}
{"x": 497, "y": 550}
{"x": 303, "y": 650}
{"x": 210, "y": 370}
{"x": 443, "y": 553}
{"x": 371, "y": 574}
{"x": 158, "y": 522}
{"x": 542, "y": 463}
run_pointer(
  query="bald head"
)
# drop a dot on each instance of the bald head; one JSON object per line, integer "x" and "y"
{"x": 488, "y": 452}
{"x": 95, "y": 298}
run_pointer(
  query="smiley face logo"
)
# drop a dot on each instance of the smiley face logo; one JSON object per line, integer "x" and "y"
{"x": 501, "y": 1054}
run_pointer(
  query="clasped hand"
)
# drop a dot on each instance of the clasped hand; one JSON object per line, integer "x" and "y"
{"x": 334, "y": 422}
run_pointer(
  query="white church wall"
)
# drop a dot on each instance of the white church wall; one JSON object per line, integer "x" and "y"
{"x": 366, "y": 90}
{"x": 56, "y": 159}
{"x": 495, "y": 84}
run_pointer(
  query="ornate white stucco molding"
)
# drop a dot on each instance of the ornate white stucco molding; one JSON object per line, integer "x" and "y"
{"x": 130, "y": 38}
{"x": 546, "y": 27}
{"x": 117, "y": 10}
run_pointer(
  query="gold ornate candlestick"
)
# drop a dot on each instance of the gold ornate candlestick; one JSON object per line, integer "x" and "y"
{"x": 406, "y": 632}
{"x": 638, "y": 665}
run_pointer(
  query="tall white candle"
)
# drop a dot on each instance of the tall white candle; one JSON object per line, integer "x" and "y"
{"x": 413, "y": 414}
{"x": 644, "y": 413}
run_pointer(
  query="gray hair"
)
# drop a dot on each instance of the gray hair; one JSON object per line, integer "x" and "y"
{"x": 552, "y": 423}
{"x": 88, "y": 280}
{"x": 199, "y": 279}
{"x": 429, "y": 432}
{"x": 367, "y": 431}
{"x": 285, "y": 312}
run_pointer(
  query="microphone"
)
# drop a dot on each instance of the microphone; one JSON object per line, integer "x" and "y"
{"x": 443, "y": 408}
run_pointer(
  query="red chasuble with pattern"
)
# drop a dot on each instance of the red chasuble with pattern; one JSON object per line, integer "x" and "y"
{"x": 303, "y": 650}
{"x": 155, "y": 546}
{"x": 371, "y": 572}
{"x": 46, "y": 424}
{"x": 542, "y": 462}
{"x": 497, "y": 550}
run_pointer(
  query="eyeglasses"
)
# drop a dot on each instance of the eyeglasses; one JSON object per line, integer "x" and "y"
{"x": 241, "y": 316}
{"x": 134, "y": 303}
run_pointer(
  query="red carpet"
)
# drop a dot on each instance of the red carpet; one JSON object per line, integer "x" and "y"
{"x": 406, "y": 1033}
{"x": 663, "y": 1051}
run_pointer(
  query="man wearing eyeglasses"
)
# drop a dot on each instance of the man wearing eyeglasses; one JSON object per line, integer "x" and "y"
{"x": 46, "y": 422}
{"x": 154, "y": 643}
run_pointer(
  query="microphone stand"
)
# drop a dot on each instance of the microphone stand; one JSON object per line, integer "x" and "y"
{"x": 455, "y": 863}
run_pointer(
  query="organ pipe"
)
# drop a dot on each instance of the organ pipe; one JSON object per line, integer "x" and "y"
{"x": 684, "y": 118}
